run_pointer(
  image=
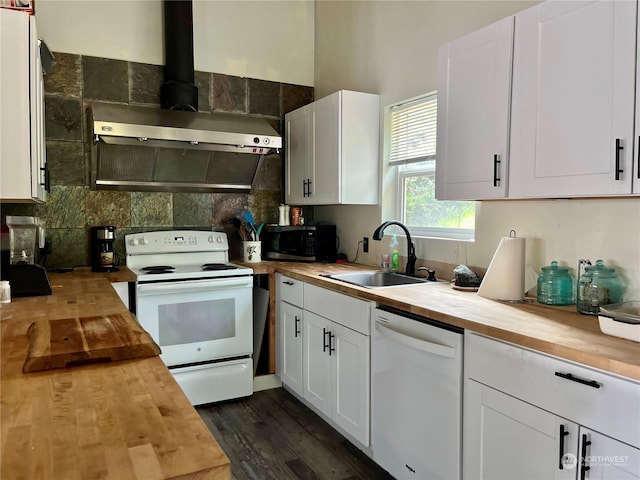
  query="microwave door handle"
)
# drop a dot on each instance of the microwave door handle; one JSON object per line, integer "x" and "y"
{"x": 159, "y": 288}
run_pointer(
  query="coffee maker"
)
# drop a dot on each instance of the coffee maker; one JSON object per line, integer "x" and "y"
{"x": 103, "y": 257}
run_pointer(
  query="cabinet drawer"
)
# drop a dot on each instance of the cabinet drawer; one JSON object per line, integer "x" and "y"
{"x": 290, "y": 290}
{"x": 590, "y": 397}
{"x": 351, "y": 312}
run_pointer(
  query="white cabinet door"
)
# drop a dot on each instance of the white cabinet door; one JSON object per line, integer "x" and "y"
{"x": 602, "y": 457}
{"x": 299, "y": 154}
{"x": 22, "y": 147}
{"x": 474, "y": 88}
{"x": 317, "y": 362}
{"x": 572, "y": 102}
{"x": 291, "y": 346}
{"x": 506, "y": 438}
{"x": 350, "y": 373}
{"x": 326, "y": 150}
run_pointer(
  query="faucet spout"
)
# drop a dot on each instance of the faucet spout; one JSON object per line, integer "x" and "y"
{"x": 411, "y": 254}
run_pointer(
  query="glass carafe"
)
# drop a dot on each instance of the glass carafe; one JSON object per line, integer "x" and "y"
{"x": 599, "y": 285}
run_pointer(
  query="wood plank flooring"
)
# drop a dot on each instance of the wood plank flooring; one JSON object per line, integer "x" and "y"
{"x": 271, "y": 435}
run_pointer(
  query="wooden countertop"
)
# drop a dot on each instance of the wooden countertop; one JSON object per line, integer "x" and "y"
{"x": 126, "y": 419}
{"x": 559, "y": 331}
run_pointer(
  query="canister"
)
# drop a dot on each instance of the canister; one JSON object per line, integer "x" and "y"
{"x": 555, "y": 286}
{"x": 599, "y": 285}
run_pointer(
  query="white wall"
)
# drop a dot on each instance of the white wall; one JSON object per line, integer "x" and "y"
{"x": 390, "y": 48}
{"x": 267, "y": 40}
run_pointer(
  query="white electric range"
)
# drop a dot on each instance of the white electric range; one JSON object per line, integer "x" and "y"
{"x": 198, "y": 307}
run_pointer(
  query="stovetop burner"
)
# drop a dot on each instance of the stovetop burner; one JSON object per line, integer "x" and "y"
{"x": 217, "y": 266}
{"x": 156, "y": 269}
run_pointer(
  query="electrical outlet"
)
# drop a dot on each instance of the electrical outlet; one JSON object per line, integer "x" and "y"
{"x": 365, "y": 244}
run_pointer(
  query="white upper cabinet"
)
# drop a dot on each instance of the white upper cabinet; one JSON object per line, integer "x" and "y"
{"x": 22, "y": 140}
{"x": 332, "y": 151}
{"x": 573, "y": 99}
{"x": 474, "y": 87}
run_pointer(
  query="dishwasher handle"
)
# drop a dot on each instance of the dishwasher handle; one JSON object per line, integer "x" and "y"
{"x": 416, "y": 343}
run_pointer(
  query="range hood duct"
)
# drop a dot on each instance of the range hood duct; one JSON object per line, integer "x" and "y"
{"x": 179, "y": 91}
{"x": 139, "y": 148}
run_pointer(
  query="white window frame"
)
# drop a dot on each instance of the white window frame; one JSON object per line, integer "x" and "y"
{"x": 401, "y": 175}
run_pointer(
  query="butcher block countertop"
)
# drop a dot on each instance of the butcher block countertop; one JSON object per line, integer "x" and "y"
{"x": 113, "y": 420}
{"x": 559, "y": 331}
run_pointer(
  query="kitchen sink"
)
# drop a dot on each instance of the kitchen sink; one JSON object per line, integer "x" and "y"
{"x": 377, "y": 279}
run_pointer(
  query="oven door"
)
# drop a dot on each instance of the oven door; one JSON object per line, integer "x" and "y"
{"x": 198, "y": 320}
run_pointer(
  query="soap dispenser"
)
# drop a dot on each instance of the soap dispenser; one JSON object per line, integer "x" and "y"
{"x": 394, "y": 254}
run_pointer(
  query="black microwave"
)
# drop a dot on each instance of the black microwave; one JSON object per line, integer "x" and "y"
{"x": 307, "y": 243}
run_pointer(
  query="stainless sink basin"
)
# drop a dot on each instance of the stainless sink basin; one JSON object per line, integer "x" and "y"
{"x": 376, "y": 279}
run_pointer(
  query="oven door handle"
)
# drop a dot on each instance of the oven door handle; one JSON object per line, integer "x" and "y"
{"x": 160, "y": 288}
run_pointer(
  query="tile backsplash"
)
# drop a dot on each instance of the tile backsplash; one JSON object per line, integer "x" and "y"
{"x": 72, "y": 207}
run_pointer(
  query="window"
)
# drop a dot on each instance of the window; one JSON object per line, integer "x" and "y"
{"x": 412, "y": 151}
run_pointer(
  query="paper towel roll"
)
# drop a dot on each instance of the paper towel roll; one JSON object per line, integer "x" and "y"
{"x": 504, "y": 279}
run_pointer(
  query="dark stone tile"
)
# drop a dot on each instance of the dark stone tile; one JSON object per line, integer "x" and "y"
{"x": 229, "y": 94}
{"x": 151, "y": 209}
{"x": 191, "y": 209}
{"x": 264, "y": 97}
{"x": 269, "y": 174}
{"x": 66, "y": 162}
{"x": 105, "y": 79}
{"x": 226, "y": 206}
{"x": 263, "y": 204}
{"x": 295, "y": 96}
{"x": 203, "y": 82}
{"x": 108, "y": 208}
{"x": 65, "y": 77}
{"x": 64, "y": 207}
{"x": 63, "y": 118}
{"x": 145, "y": 82}
{"x": 69, "y": 247}
{"x": 22, "y": 209}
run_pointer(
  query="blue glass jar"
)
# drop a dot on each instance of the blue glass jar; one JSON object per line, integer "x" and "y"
{"x": 555, "y": 286}
{"x": 599, "y": 285}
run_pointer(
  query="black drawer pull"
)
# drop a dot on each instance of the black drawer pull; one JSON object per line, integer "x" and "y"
{"x": 563, "y": 433}
{"x": 287, "y": 282}
{"x": 568, "y": 376}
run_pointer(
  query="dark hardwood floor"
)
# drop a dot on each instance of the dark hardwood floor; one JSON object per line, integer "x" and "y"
{"x": 271, "y": 435}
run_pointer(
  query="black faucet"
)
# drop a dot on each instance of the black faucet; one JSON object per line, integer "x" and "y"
{"x": 411, "y": 256}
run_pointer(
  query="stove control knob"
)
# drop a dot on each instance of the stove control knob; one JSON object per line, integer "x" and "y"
{"x": 144, "y": 241}
{"x": 210, "y": 239}
{"x": 133, "y": 241}
{"x": 219, "y": 239}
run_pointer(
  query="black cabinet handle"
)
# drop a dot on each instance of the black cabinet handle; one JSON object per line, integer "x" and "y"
{"x": 568, "y": 376}
{"x": 583, "y": 456}
{"x": 496, "y": 163}
{"x": 619, "y": 148}
{"x": 304, "y": 188}
{"x": 325, "y": 344}
{"x": 296, "y": 322}
{"x": 332, "y": 348}
{"x": 638, "y": 169}
{"x": 287, "y": 282}
{"x": 563, "y": 433}
{"x": 308, "y": 187}
{"x": 47, "y": 178}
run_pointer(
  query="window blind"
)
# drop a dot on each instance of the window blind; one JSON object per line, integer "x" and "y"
{"x": 413, "y": 131}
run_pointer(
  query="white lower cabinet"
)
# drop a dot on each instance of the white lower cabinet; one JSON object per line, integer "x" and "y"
{"x": 531, "y": 416}
{"x": 323, "y": 354}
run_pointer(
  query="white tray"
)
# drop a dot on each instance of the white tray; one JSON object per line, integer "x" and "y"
{"x": 610, "y": 326}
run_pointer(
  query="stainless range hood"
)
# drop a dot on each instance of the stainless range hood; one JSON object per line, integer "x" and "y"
{"x": 151, "y": 149}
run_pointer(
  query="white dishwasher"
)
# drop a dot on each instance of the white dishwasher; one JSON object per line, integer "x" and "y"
{"x": 416, "y": 402}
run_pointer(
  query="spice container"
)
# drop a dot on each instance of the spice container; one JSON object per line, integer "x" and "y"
{"x": 555, "y": 286}
{"x": 599, "y": 285}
